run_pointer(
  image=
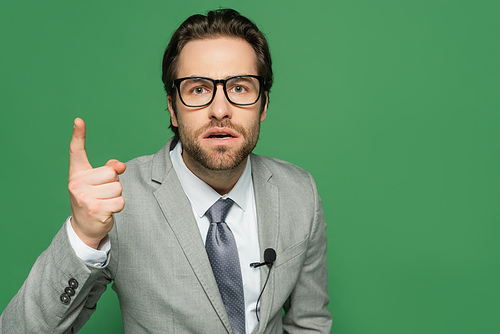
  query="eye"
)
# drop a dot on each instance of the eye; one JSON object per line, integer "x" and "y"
{"x": 199, "y": 90}
{"x": 196, "y": 87}
{"x": 238, "y": 89}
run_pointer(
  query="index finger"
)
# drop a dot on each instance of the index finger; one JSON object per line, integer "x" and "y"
{"x": 78, "y": 160}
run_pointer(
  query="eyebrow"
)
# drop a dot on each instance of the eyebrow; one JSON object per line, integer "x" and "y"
{"x": 229, "y": 76}
{"x": 199, "y": 78}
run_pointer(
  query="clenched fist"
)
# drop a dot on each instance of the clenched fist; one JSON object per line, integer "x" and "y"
{"x": 95, "y": 193}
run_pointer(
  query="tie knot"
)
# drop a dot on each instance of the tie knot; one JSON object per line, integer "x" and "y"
{"x": 218, "y": 211}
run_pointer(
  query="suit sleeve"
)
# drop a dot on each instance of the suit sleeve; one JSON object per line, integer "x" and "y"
{"x": 59, "y": 295}
{"x": 305, "y": 309}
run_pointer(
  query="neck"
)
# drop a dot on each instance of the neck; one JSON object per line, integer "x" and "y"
{"x": 222, "y": 181}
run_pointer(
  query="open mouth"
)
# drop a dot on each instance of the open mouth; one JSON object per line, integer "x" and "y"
{"x": 220, "y": 133}
{"x": 220, "y": 136}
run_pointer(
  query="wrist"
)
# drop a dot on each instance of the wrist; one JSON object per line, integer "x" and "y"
{"x": 93, "y": 242}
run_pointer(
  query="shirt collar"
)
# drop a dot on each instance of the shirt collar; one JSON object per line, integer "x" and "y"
{"x": 200, "y": 194}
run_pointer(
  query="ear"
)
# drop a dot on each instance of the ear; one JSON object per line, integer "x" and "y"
{"x": 173, "y": 118}
{"x": 263, "y": 114}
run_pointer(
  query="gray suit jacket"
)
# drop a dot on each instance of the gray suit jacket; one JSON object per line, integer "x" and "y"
{"x": 160, "y": 269}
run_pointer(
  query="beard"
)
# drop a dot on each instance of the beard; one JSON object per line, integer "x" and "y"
{"x": 221, "y": 157}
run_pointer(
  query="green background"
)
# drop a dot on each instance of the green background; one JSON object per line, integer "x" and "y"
{"x": 392, "y": 105}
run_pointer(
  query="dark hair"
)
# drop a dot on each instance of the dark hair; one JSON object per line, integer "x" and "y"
{"x": 217, "y": 23}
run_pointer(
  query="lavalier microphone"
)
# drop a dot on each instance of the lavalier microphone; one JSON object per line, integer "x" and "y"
{"x": 269, "y": 258}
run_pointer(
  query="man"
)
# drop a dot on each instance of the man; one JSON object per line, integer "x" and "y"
{"x": 177, "y": 232}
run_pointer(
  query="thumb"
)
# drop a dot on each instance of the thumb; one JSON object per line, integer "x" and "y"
{"x": 117, "y": 165}
{"x": 78, "y": 160}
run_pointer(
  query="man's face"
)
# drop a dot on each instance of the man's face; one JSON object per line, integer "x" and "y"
{"x": 221, "y": 135}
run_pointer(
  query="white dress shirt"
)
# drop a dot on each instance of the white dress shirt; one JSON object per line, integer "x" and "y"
{"x": 241, "y": 219}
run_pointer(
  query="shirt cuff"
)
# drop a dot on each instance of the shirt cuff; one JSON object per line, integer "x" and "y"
{"x": 92, "y": 257}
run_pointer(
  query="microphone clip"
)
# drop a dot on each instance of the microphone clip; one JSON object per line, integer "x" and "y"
{"x": 258, "y": 264}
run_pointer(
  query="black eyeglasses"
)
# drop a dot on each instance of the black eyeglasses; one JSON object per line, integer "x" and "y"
{"x": 241, "y": 90}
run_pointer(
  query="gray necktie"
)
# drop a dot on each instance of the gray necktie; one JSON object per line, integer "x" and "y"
{"x": 223, "y": 255}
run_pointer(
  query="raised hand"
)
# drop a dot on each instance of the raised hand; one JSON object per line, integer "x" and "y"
{"x": 95, "y": 193}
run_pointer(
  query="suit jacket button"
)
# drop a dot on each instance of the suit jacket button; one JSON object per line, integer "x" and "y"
{"x": 73, "y": 283}
{"x": 69, "y": 291}
{"x": 65, "y": 299}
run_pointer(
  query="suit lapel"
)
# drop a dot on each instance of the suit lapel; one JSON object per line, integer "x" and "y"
{"x": 174, "y": 205}
{"x": 267, "y": 204}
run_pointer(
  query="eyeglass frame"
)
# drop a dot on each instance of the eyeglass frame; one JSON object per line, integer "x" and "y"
{"x": 177, "y": 83}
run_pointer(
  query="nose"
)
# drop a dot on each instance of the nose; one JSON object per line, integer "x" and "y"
{"x": 220, "y": 107}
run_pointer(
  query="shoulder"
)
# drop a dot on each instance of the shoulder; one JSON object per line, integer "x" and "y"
{"x": 140, "y": 162}
{"x": 282, "y": 173}
{"x": 278, "y": 167}
{"x": 148, "y": 168}
{"x": 137, "y": 169}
